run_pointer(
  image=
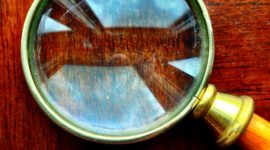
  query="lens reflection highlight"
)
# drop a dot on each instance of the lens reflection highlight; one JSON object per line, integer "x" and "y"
{"x": 107, "y": 97}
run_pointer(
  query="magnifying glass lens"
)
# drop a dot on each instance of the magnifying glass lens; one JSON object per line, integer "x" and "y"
{"x": 116, "y": 67}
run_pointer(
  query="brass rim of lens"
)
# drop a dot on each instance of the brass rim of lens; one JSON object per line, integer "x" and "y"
{"x": 112, "y": 139}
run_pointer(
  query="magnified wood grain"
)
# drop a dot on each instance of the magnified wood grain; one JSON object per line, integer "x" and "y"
{"x": 92, "y": 43}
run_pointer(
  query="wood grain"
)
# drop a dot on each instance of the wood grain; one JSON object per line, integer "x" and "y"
{"x": 242, "y": 66}
{"x": 147, "y": 49}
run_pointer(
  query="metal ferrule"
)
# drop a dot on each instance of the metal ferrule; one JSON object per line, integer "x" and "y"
{"x": 227, "y": 115}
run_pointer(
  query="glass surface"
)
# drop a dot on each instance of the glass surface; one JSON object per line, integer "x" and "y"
{"x": 115, "y": 66}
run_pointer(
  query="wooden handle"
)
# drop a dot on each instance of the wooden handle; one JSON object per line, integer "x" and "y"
{"x": 257, "y": 134}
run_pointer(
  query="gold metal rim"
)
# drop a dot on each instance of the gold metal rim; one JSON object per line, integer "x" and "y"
{"x": 101, "y": 138}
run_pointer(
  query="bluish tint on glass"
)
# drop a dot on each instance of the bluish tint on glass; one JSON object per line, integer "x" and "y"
{"x": 116, "y": 66}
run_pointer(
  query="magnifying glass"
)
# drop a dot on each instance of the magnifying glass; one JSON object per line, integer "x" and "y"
{"x": 124, "y": 71}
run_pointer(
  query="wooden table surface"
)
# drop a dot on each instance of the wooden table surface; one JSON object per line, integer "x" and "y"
{"x": 242, "y": 66}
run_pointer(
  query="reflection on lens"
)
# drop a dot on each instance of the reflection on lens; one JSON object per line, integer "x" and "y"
{"x": 116, "y": 66}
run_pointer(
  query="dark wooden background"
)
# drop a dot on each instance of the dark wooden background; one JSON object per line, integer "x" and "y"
{"x": 242, "y": 66}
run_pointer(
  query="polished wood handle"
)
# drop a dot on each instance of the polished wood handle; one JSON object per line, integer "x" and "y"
{"x": 231, "y": 118}
{"x": 257, "y": 134}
